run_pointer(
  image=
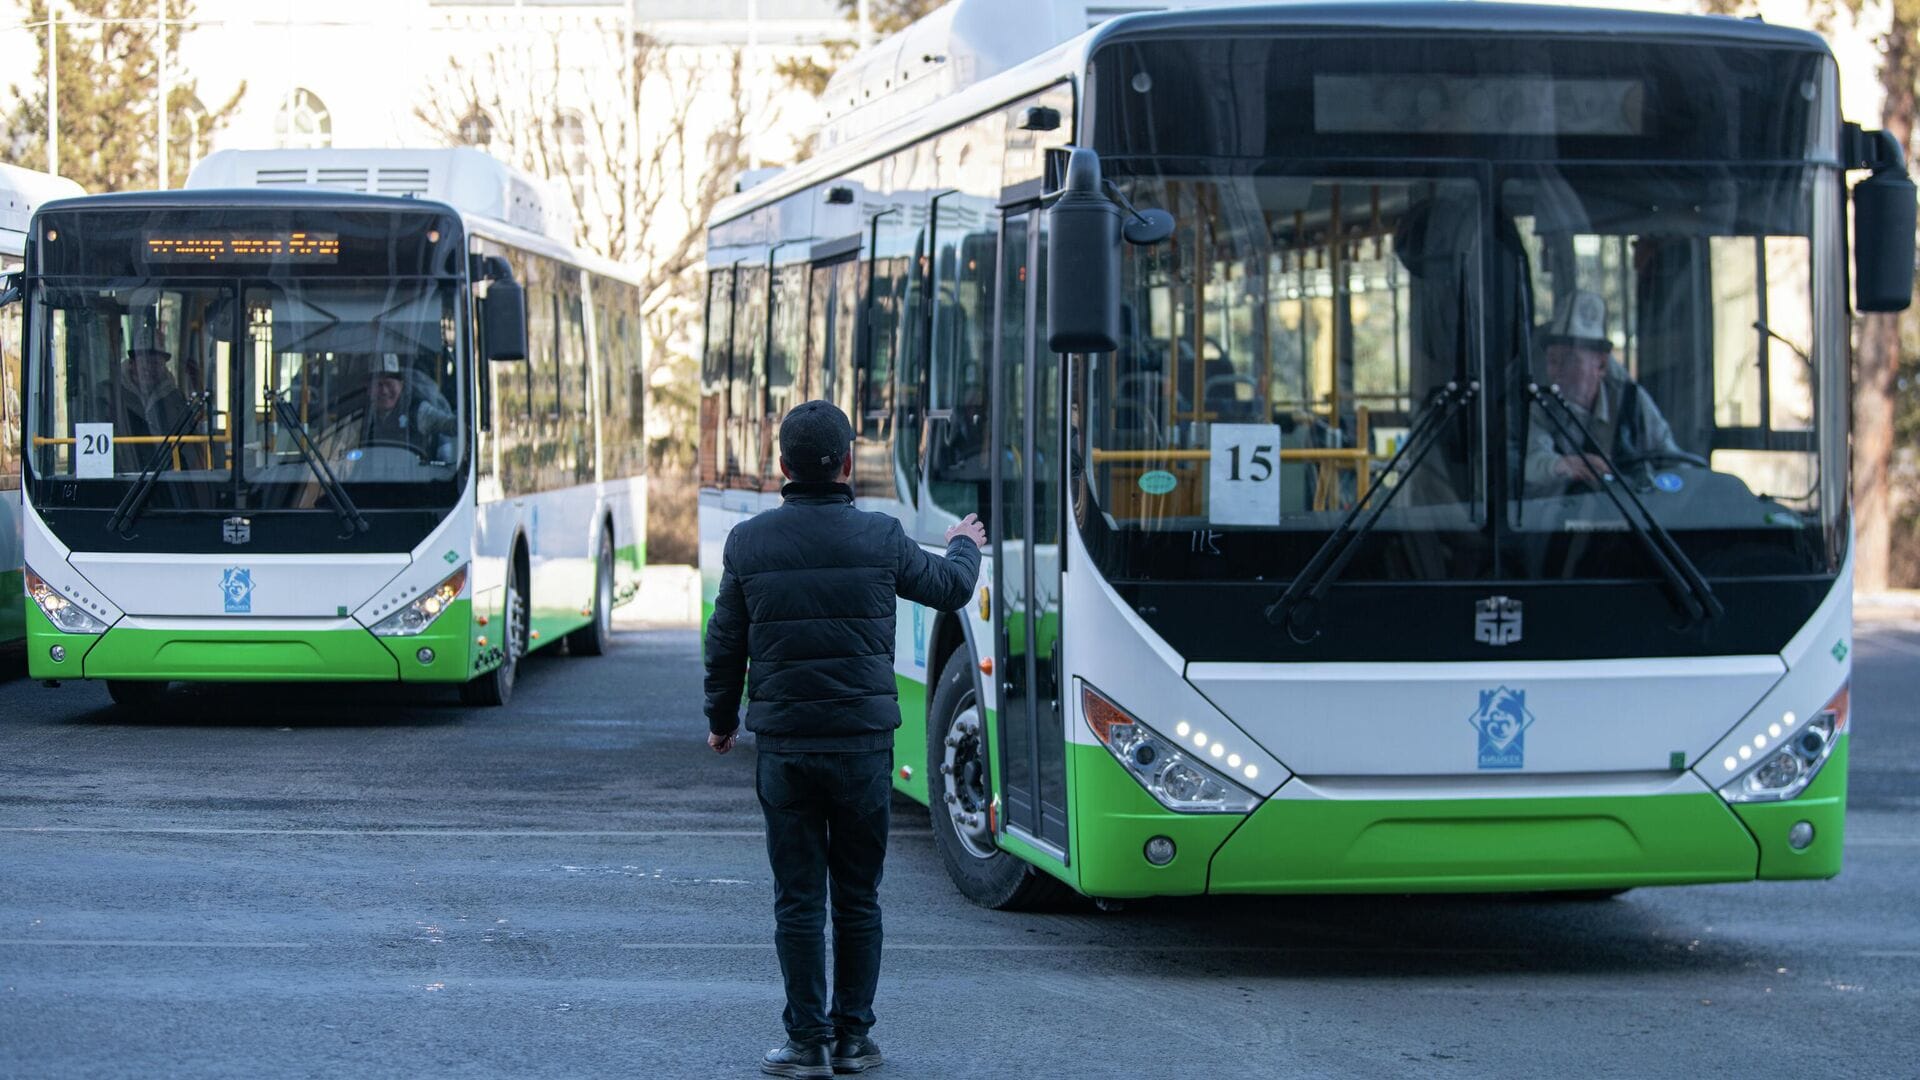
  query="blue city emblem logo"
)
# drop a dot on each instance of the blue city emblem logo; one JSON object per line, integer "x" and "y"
{"x": 919, "y": 636}
{"x": 236, "y": 588}
{"x": 1502, "y": 721}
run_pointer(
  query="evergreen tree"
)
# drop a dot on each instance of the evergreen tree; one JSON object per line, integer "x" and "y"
{"x": 108, "y": 83}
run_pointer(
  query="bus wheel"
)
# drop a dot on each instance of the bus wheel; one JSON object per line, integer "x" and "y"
{"x": 593, "y": 638}
{"x": 959, "y": 799}
{"x": 496, "y": 686}
{"x": 129, "y": 694}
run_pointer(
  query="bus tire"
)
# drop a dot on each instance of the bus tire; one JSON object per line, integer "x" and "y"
{"x": 593, "y": 638}
{"x": 132, "y": 694}
{"x": 495, "y": 688}
{"x": 983, "y": 873}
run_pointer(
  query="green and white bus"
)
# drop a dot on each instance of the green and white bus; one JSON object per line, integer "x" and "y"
{"x": 1297, "y": 583}
{"x": 20, "y": 191}
{"x": 264, "y": 440}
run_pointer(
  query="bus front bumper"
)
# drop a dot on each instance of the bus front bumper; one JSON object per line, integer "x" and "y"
{"x": 228, "y": 650}
{"x": 1301, "y": 841}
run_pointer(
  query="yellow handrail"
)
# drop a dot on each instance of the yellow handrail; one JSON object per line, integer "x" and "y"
{"x": 130, "y": 440}
{"x": 1328, "y": 461}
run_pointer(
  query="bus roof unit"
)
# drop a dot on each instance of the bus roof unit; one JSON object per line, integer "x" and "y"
{"x": 956, "y": 46}
{"x": 465, "y": 179}
{"x": 21, "y": 193}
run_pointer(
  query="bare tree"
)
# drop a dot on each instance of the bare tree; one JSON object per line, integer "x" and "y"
{"x": 643, "y": 169}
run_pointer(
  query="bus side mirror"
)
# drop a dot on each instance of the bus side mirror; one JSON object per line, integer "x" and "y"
{"x": 1083, "y": 262}
{"x": 1883, "y": 221}
{"x": 503, "y": 319}
{"x": 10, "y": 288}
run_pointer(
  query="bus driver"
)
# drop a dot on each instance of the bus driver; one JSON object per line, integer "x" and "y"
{"x": 1621, "y": 416}
{"x": 399, "y": 415}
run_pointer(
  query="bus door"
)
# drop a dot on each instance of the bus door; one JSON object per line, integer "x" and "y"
{"x": 1025, "y": 525}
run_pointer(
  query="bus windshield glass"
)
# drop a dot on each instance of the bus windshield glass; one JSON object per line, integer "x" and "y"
{"x": 257, "y": 342}
{"x": 1636, "y": 309}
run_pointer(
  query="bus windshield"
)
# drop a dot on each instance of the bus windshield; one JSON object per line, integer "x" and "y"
{"x": 1635, "y": 308}
{"x": 254, "y": 361}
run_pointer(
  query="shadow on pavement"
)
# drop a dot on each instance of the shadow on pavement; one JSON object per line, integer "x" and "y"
{"x": 307, "y": 705}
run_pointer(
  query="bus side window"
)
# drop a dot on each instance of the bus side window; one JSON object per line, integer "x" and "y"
{"x": 962, "y": 335}
{"x": 513, "y": 421}
{"x": 879, "y": 326}
{"x": 785, "y": 385}
{"x": 715, "y": 364}
{"x": 576, "y": 402}
{"x": 844, "y": 299}
{"x": 10, "y": 398}
{"x": 748, "y": 373}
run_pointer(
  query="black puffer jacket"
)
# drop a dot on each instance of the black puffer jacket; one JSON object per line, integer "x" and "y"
{"x": 807, "y": 593}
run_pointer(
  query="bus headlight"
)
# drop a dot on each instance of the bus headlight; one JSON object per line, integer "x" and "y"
{"x": 420, "y": 614}
{"x": 66, "y": 616}
{"x": 1796, "y": 760}
{"x": 1177, "y": 779}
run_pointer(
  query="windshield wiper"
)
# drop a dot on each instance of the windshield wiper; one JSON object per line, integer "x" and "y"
{"x": 1688, "y": 587}
{"x": 1296, "y": 607}
{"x": 135, "y": 499}
{"x": 351, "y": 520}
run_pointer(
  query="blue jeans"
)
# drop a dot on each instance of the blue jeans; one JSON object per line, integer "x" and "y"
{"x": 827, "y": 820}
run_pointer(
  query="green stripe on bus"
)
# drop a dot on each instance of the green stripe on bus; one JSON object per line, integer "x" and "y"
{"x": 251, "y": 655}
{"x": 910, "y": 740}
{"x": 1484, "y": 845}
{"x": 241, "y": 655}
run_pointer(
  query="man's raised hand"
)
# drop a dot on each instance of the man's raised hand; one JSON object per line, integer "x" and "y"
{"x": 970, "y": 528}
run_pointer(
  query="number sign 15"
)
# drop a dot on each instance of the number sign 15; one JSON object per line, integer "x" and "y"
{"x": 1243, "y": 478}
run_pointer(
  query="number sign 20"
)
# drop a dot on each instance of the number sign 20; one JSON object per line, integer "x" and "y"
{"x": 1243, "y": 477}
{"x": 93, "y": 451}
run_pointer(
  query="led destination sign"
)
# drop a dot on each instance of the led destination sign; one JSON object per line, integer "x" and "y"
{"x": 243, "y": 247}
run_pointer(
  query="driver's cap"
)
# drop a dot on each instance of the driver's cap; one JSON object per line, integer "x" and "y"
{"x": 1581, "y": 320}
{"x": 388, "y": 364}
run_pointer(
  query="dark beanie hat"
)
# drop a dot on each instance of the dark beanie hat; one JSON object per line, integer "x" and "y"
{"x": 814, "y": 439}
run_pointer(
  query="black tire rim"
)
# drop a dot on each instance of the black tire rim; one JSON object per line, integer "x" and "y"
{"x": 964, "y": 769}
{"x": 516, "y": 635}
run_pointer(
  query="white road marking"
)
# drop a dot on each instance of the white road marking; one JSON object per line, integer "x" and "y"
{"x": 1126, "y": 950}
{"x": 86, "y": 943}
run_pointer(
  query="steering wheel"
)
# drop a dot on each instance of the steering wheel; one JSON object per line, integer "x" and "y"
{"x": 394, "y": 444}
{"x": 1657, "y": 458}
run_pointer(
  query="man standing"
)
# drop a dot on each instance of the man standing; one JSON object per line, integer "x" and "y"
{"x": 807, "y": 597}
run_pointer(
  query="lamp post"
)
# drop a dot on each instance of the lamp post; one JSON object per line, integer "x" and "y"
{"x": 53, "y": 89}
{"x": 161, "y": 63}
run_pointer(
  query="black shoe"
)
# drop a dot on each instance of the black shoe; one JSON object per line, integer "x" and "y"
{"x": 855, "y": 1053}
{"x": 806, "y": 1062}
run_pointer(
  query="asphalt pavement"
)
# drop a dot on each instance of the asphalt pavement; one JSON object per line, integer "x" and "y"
{"x": 291, "y": 881}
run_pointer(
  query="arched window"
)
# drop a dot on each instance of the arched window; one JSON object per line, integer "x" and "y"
{"x": 476, "y": 128}
{"x": 571, "y": 130}
{"x": 304, "y": 121}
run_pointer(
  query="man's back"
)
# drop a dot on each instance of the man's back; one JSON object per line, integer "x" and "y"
{"x": 807, "y": 597}
{"x": 808, "y": 593}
